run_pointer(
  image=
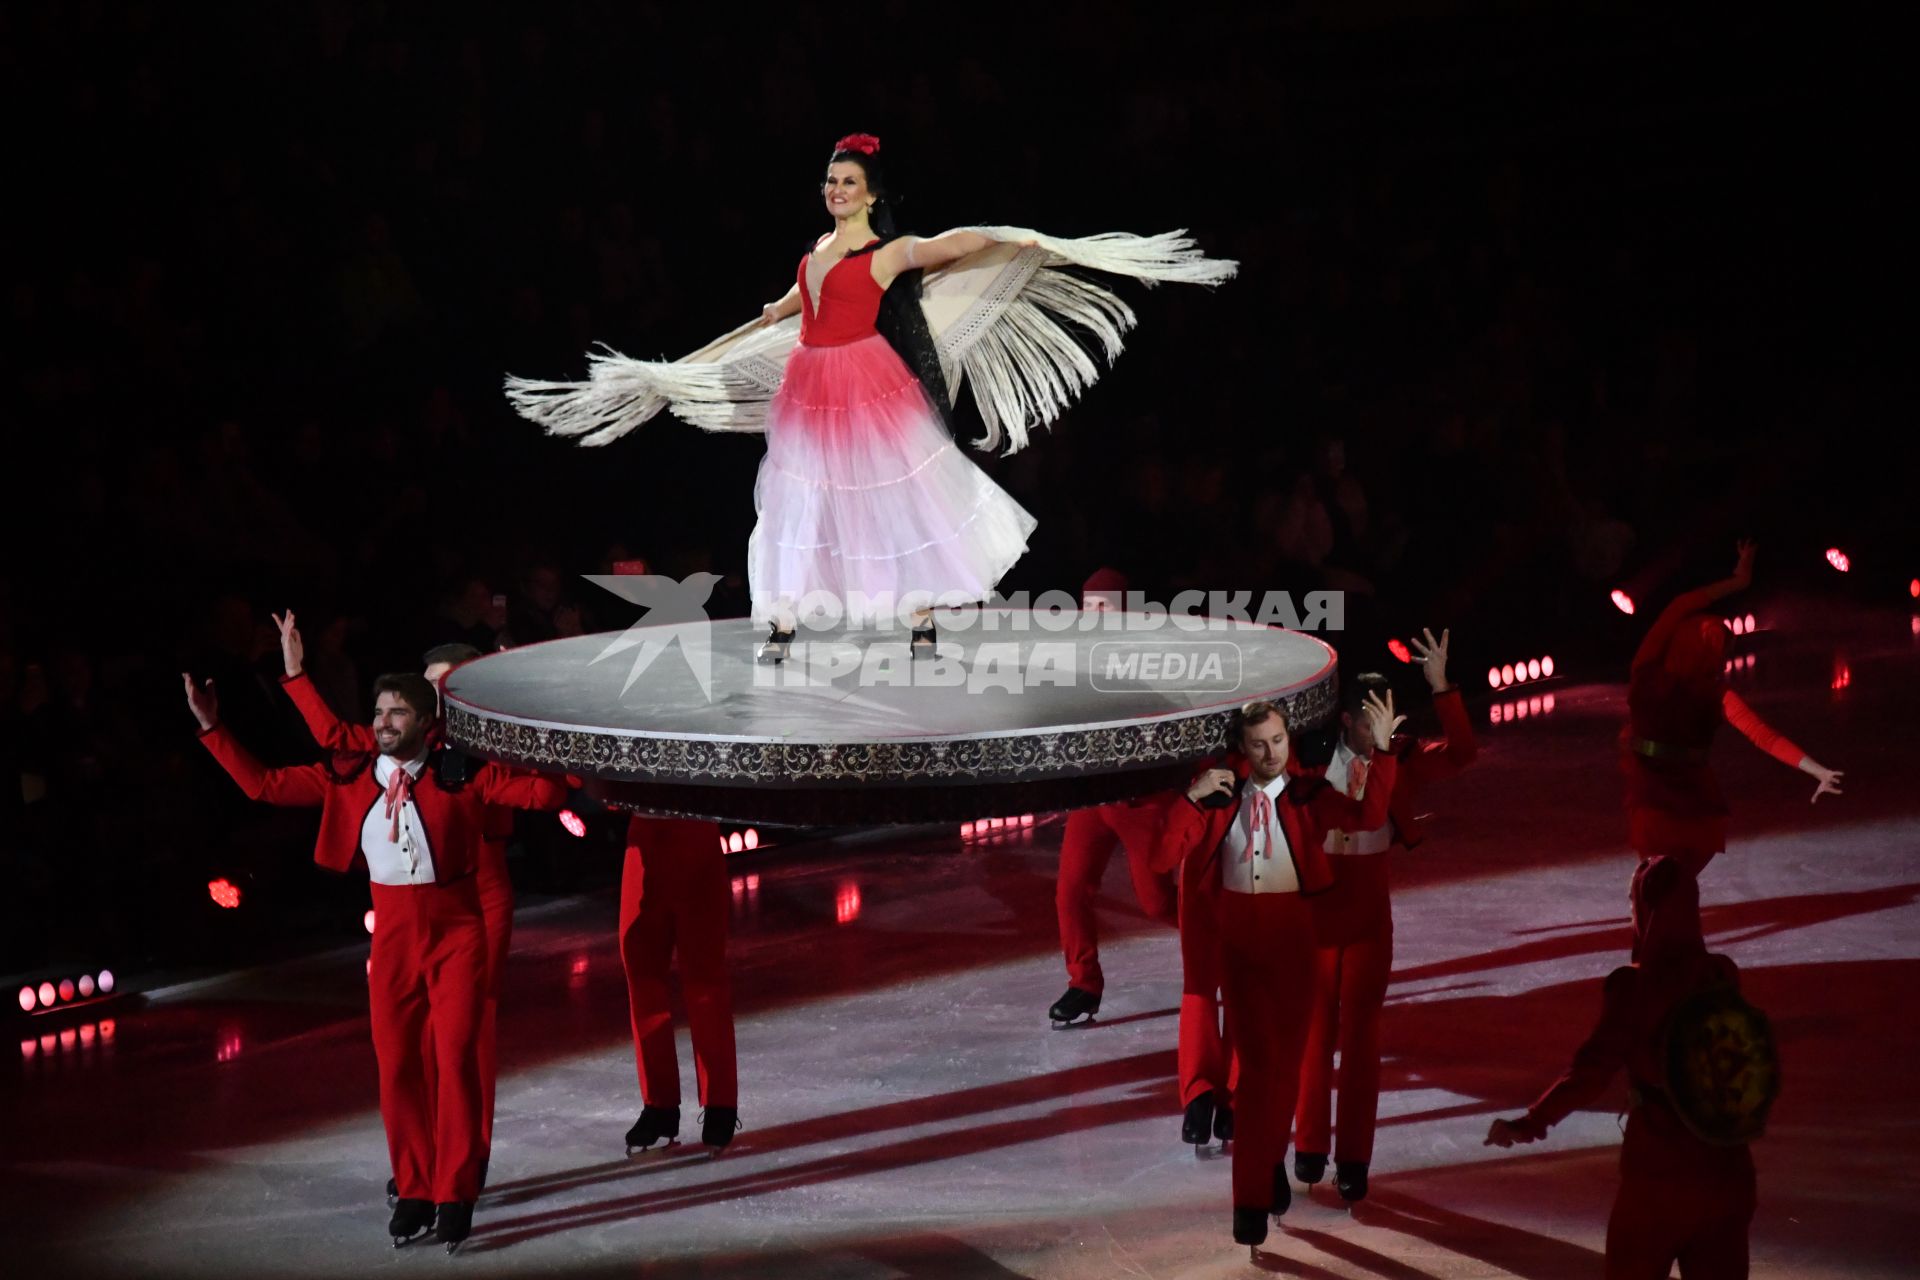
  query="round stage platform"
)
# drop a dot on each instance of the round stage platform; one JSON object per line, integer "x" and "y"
{"x": 1018, "y": 712}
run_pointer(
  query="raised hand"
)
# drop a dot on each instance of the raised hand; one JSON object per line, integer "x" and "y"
{"x": 1743, "y": 567}
{"x": 293, "y": 651}
{"x": 1433, "y": 657}
{"x": 1829, "y": 781}
{"x": 202, "y": 701}
{"x": 1213, "y": 781}
{"x": 1381, "y": 720}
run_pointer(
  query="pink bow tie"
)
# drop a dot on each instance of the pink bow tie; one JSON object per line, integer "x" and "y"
{"x": 399, "y": 791}
{"x": 1259, "y": 821}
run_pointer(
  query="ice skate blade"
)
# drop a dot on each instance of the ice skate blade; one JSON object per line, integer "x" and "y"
{"x": 1085, "y": 1020}
{"x": 771, "y": 654}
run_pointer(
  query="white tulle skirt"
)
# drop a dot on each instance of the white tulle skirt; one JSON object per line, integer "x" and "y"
{"x": 865, "y": 497}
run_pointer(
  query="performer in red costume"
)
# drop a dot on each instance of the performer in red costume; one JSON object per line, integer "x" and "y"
{"x": 863, "y": 495}
{"x": 413, "y": 814}
{"x": 496, "y": 887}
{"x": 674, "y": 898}
{"x": 1680, "y": 1198}
{"x": 1087, "y": 846}
{"x": 1676, "y": 698}
{"x": 1258, "y": 841}
{"x": 1353, "y": 923}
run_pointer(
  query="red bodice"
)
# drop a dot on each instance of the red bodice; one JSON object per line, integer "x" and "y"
{"x": 849, "y": 303}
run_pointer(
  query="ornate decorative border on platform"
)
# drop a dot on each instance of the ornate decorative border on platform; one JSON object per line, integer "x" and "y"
{"x": 605, "y": 754}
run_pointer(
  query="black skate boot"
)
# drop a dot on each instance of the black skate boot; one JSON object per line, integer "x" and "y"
{"x": 1071, "y": 1008}
{"x": 411, "y": 1218}
{"x": 654, "y": 1124}
{"x": 1350, "y": 1180}
{"x": 1223, "y": 1123}
{"x": 1249, "y": 1226}
{"x": 1282, "y": 1190}
{"x": 456, "y": 1224}
{"x": 718, "y": 1125}
{"x": 777, "y": 646}
{"x": 924, "y": 644}
{"x": 393, "y": 1193}
{"x": 1309, "y": 1167}
{"x": 1196, "y": 1129}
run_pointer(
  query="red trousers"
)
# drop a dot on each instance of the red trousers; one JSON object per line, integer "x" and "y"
{"x": 674, "y": 899}
{"x": 426, "y": 986}
{"x": 1352, "y": 965}
{"x": 1266, "y": 975}
{"x": 1679, "y": 1200}
{"x": 1091, "y": 837}
{"x": 1207, "y": 1060}
{"x": 496, "y": 910}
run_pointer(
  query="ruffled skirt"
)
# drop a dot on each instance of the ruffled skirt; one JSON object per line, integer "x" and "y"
{"x": 865, "y": 497}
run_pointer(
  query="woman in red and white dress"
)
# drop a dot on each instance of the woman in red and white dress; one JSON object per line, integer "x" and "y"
{"x": 864, "y": 497}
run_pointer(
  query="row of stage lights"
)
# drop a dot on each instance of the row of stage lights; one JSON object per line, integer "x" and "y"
{"x": 742, "y": 841}
{"x": 989, "y": 828}
{"x": 1520, "y": 708}
{"x": 68, "y": 991}
{"x": 1522, "y": 672}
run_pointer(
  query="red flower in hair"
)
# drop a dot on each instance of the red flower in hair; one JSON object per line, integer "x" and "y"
{"x": 865, "y": 143}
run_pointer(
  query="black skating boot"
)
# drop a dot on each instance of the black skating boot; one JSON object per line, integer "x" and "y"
{"x": 777, "y": 645}
{"x": 410, "y": 1219}
{"x": 1249, "y": 1226}
{"x": 456, "y": 1224}
{"x": 393, "y": 1193}
{"x": 1309, "y": 1167}
{"x": 1196, "y": 1129}
{"x": 1282, "y": 1190}
{"x": 1350, "y": 1180}
{"x": 924, "y": 644}
{"x": 1079, "y": 1003}
{"x": 1223, "y": 1123}
{"x": 718, "y": 1125}
{"x": 654, "y": 1124}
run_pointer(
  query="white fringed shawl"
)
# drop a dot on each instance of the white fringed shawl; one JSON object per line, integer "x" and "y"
{"x": 997, "y": 320}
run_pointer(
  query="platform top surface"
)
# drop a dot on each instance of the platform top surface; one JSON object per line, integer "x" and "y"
{"x": 700, "y": 680}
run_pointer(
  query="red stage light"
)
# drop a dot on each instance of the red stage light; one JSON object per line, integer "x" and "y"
{"x": 723, "y": 844}
{"x": 1622, "y": 601}
{"x": 368, "y": 920}
{"x": 753, "y": 838}
{"x": 106, "y": 981}
{"x": 29, "y": 1047}
{"x": 1546, "y": 665}
{"x": 66, "y": 990}
{"x": 966, "y": 831}
{"x": 1838, "y": 559}
{"x": 88, "y": 1034}
{"x": 224, "y": 893}
{"x": 49, "y": 1042}
{"x": 106, "y": 1028}
{"x": 1749, "y": 624}
{"x": 753, "y": 884}
{"x": 86, "y": 985}
{"x": 571, "y": 821}
{"x": 1026, "y": 819}
{"x": 846, "y": 903}
{"x": 1913, "y": 588}
{"x": 1546, "y": 703}
{"x": 1506, "y": 675}
{"x": 27, "y": 1000}
{"x": 47, "y": 994}
{"x": 735, "y": 844}
{"x": 69, "y": 1038}
{"x": 579, "y": 966}
{"x": 1733, "y": 625}
{"x": 1533, "y": 668}
{"x": 1493, "y": 677}
{"x": 1399, "y": 650}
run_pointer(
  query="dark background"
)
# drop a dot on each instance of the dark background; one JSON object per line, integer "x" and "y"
{"x": 1535, "y": 301}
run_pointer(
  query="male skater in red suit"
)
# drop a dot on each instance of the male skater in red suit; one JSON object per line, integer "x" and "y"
{"x": 1676, "y": 698}
{"x": 1681, "y": 1198}
{"x": 1353, "y": 922}
{"x": 413, "y": 814}
{"x": 1258, "y": 842}
{"x": 674, "y": 899}
{"x": 1088, "y": 844}
{"x": 496, "y": 887}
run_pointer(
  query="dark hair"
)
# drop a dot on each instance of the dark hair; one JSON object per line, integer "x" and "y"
{"x": 411, "y": 688}
{"x": 1353, "y": 696}
{"x": 452, "y": 654}
{"x": 1251, "y": 714}
{"x": 901, "y": 321}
